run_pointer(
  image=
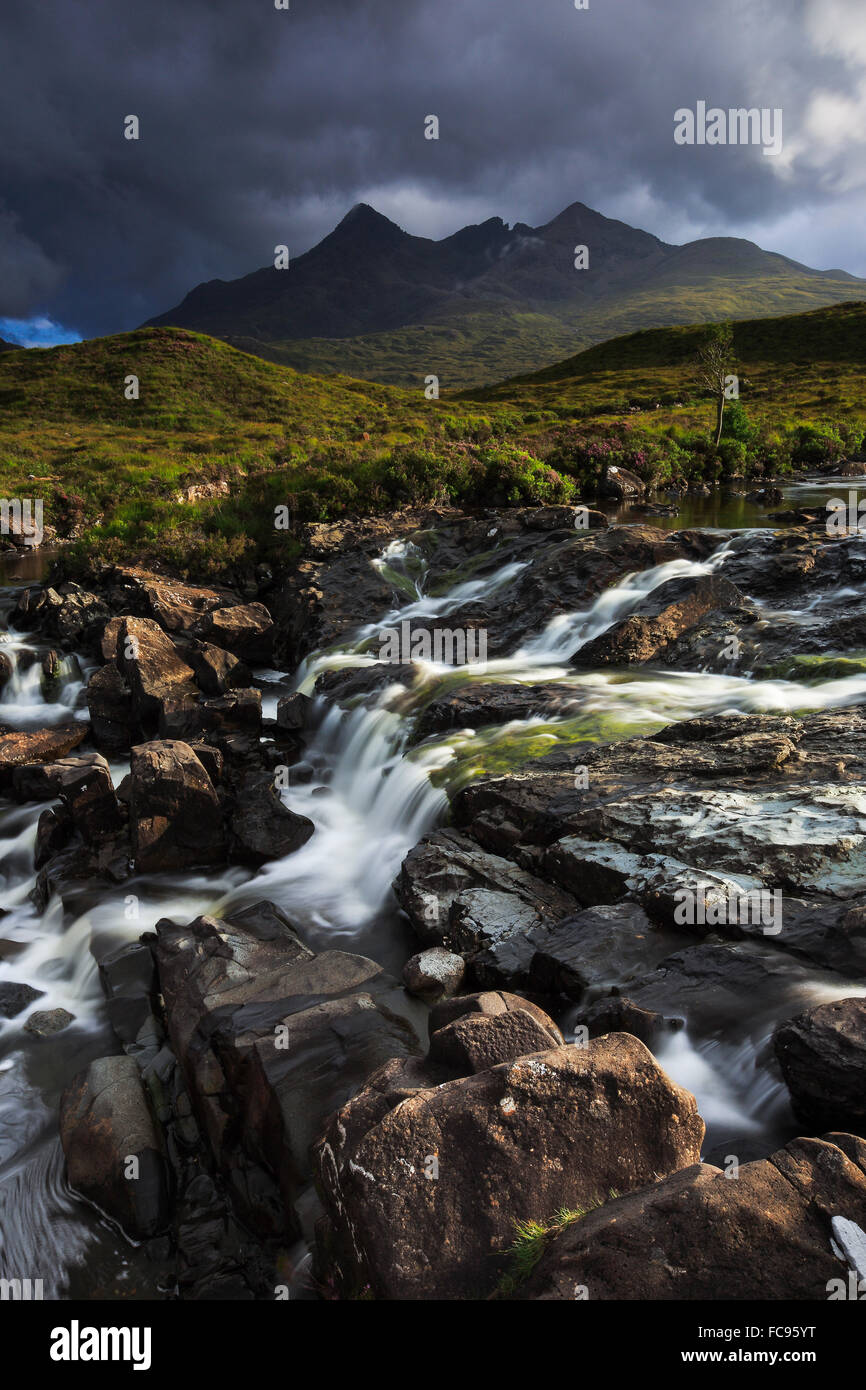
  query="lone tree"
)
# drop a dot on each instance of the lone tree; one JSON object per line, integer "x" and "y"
{"x": 713, "y": 367}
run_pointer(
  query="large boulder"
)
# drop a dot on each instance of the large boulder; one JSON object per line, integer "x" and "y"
{"x": 246, "y": 630}
{"x": 424, "y": 1185}
{"x": 175, "y": 604}
{"x": 109, "y": 701}
{"x": 113, "y": 1147}
{"x": 765, "y": 1233}
{"x": 216, "y": 671}
{"x": 42, "y": 746}
{"x": 272, "y": 1039}
{"x": 162, "y": 685}
{"x": 822, "y": 1054}
{"x": 175, "y": 814}
{"x": 678, "y": 607}
{"x": 263, "y": 827}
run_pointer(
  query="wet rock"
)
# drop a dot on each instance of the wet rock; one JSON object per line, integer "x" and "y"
{"x": 272, "y": 1038}
{"x": 822, "y": 1054}
{"x": 733, "y": 989}
{"x": 447, "y": 882}
{"x": 44, "y": 1022}
{"x": 75, "y": 874}
{"x": 51, "y": 680}
{"x": 240, "y": 711}
{"x": 293, "y": 712}
{"x": 54, "y": 830}
{"x": 433, "y": 974}
{"x": 677, "y": 608}
{"x": 43, "y": 746}
{"x": 216, "y": 671}
{"x": 128, "y": 977}
{"x": 160, "y": 682}
{"x": 14, "y": 998}
{"x": 263, "y": 827}
{"x": 353, "y": 685}
{"x": 175, "y": 815}
{"x": 478, "y": 705}
{"x": 407, "y": 1175}
{"x": 600, "y": 948}
{"x": 336, "y": 588}
{"x": 6, "y": 670}
{"x": 109, "y": 702}
{"x": 246, "y": 630}
{"x": 105, "y": 1122}
{"x": 683, "y": 1238}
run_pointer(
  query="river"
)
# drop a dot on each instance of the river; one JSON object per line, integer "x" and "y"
{"x": 370, "y": 797}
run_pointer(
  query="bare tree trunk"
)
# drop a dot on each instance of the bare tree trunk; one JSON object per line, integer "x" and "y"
{"x": 720, "y": 409}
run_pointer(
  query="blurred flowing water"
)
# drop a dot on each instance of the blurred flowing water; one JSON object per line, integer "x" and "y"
{"x": 370, "y": 797}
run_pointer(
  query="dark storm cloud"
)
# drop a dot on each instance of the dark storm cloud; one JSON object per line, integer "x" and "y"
{"x": 261, "y": 126}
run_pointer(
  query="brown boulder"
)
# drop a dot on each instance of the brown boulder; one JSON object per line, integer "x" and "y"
{"x": 174, "y": 810}
{"x": 216, "y": 671}
{"x": 161, "y": 683}
{"x": 822, "y": 1054}
{"x": 272, "y": 1038}
{"x": 43, "y": 746}
{"x": 640, "y": 638}
{"x": 113, "y": 1147}
{"x": 764, "y": 1234}
{"x": 477, "y": 1042}
{"x": 246, "y": 630}
{"x": 239, "y": 711}
{"x": 424, "y": 1186}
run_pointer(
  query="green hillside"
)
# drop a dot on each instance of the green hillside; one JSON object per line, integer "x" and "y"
{"x": 192, "y": 471}
{"x": 483, "y": 343}
{"x": 806, "y": 363}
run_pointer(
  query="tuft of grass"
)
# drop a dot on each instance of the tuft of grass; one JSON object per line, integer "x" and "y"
{"x": 530, "y": 1242}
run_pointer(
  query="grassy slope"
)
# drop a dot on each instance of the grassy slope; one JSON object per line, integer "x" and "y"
{"x": 805, "y": 365}
{"x": 486, "y": 344}
{"x": 208, "y": 413}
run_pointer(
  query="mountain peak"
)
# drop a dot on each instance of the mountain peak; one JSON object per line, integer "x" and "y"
{"x": 362, "y": 220}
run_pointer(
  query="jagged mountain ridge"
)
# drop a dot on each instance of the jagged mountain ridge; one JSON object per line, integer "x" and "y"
{"x": 376, "y": 301}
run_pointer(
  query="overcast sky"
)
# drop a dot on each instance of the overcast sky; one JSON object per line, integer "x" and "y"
{"x": 261, "y": 126}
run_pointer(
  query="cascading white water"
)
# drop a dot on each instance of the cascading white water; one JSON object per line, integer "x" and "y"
{"x": 370, "y": 803}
